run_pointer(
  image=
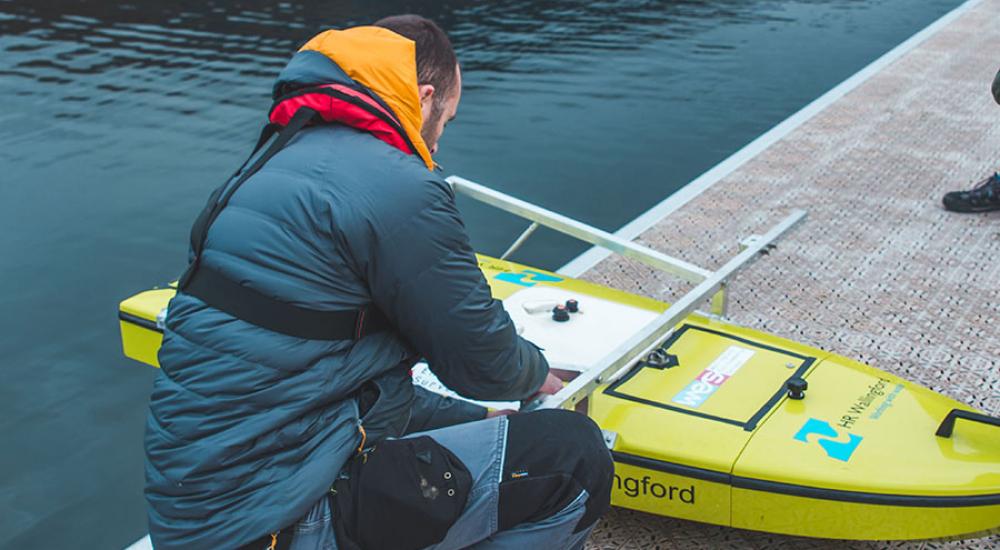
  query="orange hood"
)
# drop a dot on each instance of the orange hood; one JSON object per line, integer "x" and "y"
{"x": 385, "y": 63}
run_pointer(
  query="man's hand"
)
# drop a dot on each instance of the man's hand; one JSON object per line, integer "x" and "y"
{"x": 551, "y": 386}
{"x": 553, "y": 383}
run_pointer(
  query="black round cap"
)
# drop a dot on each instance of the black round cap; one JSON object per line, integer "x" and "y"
{"x": 560, "y": 313}
{"x": 796, "y": 387}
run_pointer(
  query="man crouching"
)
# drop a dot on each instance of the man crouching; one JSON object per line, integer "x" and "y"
{"x": 284, "y": 414}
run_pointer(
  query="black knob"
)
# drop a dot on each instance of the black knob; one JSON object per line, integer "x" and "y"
{"x": 560, "y": 313}
{"x": 572, "y": 305}
{"x": 796, "y": 388}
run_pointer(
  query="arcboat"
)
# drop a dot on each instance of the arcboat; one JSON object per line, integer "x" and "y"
{"x": 718, "y": 423}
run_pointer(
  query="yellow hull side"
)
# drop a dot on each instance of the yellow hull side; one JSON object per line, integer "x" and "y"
{"x": 691, "y": 460}
{"x": 810, "y": 517}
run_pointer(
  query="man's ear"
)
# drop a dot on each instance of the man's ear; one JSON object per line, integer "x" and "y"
{"x": 426, "y": 92}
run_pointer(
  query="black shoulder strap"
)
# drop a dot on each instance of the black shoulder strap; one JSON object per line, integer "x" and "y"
{"x": 220, "y": 197}
{"x": 247, "y": 304}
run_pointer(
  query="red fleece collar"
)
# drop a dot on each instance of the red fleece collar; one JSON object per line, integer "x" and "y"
{"x": 345, "y": 105}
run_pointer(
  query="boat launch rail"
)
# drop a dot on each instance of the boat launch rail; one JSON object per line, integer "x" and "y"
{"x": 710, "y": 284}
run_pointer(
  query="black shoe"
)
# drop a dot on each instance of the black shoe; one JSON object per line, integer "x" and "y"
{"x": 984, "y": 197}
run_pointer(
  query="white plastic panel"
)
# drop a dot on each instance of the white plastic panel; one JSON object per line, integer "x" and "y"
{"x": 589, "y": 335}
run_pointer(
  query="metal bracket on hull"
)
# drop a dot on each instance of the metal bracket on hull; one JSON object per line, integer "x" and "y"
{"x": 610, "y": 438}
{"x": 709, "y": 284}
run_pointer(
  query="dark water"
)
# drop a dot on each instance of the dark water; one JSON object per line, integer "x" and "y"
{"x": 118, "y": 118}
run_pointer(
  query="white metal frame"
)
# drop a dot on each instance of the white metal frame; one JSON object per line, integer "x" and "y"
{"x": 709, "y": 284}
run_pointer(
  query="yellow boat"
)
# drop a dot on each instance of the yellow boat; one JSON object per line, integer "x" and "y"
{"x": 722, "y": 424}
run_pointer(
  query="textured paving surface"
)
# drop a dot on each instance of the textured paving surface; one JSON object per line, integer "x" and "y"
{"x": 879, "y": 271}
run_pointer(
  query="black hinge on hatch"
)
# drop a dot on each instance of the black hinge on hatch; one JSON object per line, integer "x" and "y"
{"x": 659, "y": 358}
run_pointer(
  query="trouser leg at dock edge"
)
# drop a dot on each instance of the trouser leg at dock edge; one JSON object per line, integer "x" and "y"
{"x": 539, "y": 480}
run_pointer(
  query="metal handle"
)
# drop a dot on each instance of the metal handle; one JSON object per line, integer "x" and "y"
{"x": 658, "y": 330}
{"x": 948, "y": 424}
{"x": 576, "y": 229}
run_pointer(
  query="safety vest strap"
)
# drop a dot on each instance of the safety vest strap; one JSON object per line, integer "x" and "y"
{"x": 247, "y": 304}
{"x": 244, "y": 303}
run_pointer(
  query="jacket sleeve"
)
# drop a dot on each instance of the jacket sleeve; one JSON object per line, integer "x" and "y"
{"x": 432, "y": 411}
{"x": 425, "y": 277}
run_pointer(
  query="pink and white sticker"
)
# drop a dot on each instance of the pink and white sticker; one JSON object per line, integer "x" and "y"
{"x": 712, "y": 378}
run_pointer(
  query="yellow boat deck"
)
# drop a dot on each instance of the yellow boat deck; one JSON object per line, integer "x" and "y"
{"x": 878, "y": 272}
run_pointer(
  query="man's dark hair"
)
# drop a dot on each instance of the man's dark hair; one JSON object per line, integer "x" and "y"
{"x": 436, "y": 60}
